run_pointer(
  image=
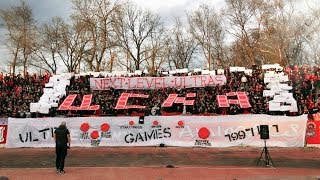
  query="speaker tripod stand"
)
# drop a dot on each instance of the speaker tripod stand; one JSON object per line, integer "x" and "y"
{"x": 265, "y": 156}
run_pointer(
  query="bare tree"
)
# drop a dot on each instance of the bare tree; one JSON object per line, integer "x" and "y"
{"x": 206, "y": 27}
{"x": 309, "y": 24}
{"x": 48, "y": 44}
{"x": 21, "y": 31}
{"x": 283, "y": 34}
{"x": 74, "y": 41}
{"x": 183, "y": 46}
{"x": 241, "y": 17}
{"x": 96, "y": 16}
{"x": 269, "y": 31}
{"x": 134, "y": 27}
{"x": 157, "y": 50}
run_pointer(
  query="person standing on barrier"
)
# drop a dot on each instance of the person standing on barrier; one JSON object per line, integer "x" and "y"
{"x": 62, "y": 139}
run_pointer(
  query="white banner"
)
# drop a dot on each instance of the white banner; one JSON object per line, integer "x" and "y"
{"x": 184, "y": 131}
{"x": 239, "y": 130}
{"x": 84, "y": 132}
{"x": 156, "y": 82}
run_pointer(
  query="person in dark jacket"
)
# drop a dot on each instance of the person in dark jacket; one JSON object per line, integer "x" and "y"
{"x": 62, "y": 139}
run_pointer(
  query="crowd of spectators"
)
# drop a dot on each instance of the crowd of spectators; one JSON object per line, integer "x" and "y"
{"x": 17, "y": 92}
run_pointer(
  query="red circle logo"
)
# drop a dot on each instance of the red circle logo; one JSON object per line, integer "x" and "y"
{"x": 94, "y": 134}
{"x": 105, "y": 127}
{"x": 131, "y": 123}
{"x": 155, "y": 123}
{"x": 203, "y": 133}
{"x": 84, "y": 127}
{"x": 180, "y": 123}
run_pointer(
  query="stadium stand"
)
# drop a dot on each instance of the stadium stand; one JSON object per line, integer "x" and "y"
{"x": 42, "y": 95}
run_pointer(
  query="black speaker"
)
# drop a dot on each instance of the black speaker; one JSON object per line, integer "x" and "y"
{"x": 141, "y": 120}
{"x": 264, "y": 132}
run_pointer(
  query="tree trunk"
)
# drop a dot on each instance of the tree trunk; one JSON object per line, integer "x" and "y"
{"x": 90, "y": 66}
{"x": 111, "y": 62}
{"x": 25, "y": 60}
{"x": 25, "y": 68}
{"x": 209, "y": 58}
{"x": 14, "y": 63}
{"x": 98, "y": 67}
{"x": 153, "y": 59}
{"x": 137, "y": 65}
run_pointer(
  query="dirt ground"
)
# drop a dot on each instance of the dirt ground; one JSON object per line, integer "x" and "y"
{"x": 161, "y": 163}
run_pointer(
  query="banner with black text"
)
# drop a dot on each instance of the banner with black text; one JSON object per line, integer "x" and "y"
{"x": 157, "y": 82}
{"x": 183, "y": 131}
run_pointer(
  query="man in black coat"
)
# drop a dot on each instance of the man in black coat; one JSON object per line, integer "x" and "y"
{"x": 62, "y": 139}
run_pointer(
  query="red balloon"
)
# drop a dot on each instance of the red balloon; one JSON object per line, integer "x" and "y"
{"x": 155, "y": 123}
{"x": 84, "y": 127}
{"x": 131, "y": 123}
{"x": 180, "y": 123}
{"x": 104, "y": 127}
{"x": 94, "y": 134}
{"x": 203, "y": 133}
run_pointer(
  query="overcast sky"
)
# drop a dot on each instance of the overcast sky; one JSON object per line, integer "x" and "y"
{"x": 176, "y": 8}
{"x": 45, "y": 9}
